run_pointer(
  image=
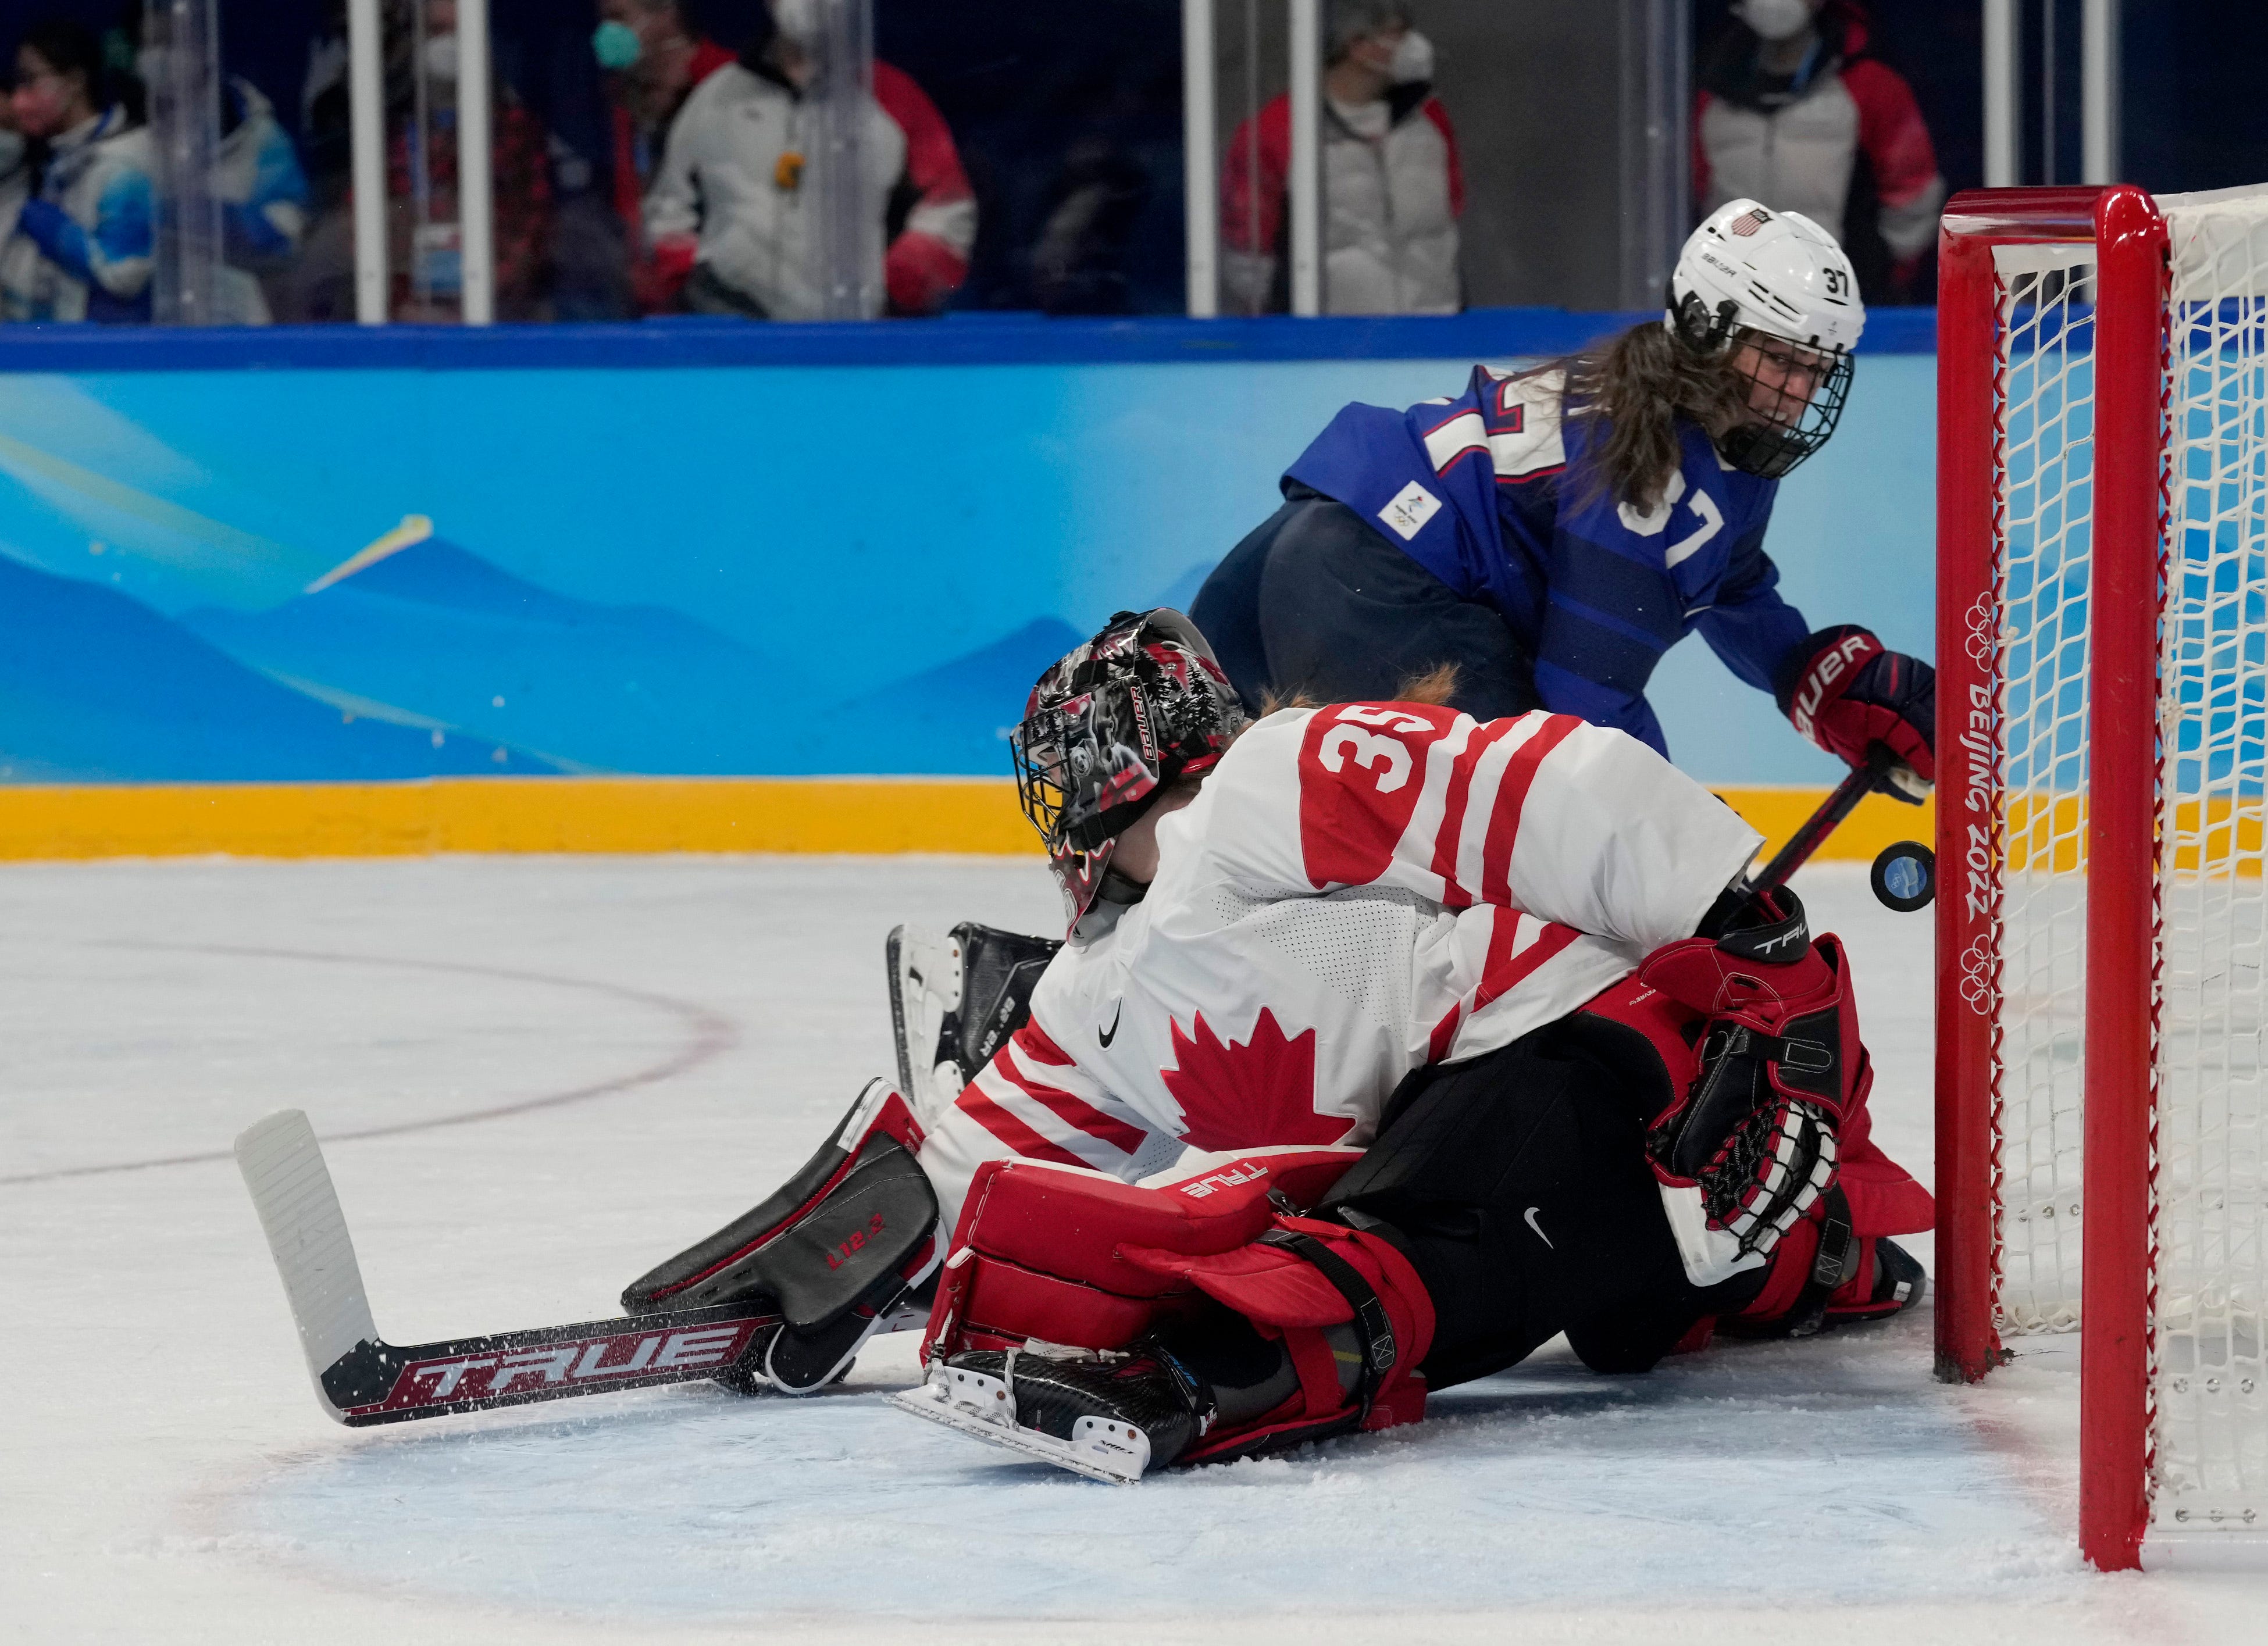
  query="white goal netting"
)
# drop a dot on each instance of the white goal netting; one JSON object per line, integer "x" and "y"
{"x": 2209, "y": 1387}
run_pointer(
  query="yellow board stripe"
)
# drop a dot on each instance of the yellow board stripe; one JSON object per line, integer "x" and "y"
{"x": 509, "y": 814}
{"x": 636, "y": 814}
{"x": 1776, "y": 813}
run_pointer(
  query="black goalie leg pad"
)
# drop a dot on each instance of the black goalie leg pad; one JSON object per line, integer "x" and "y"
{"x": 837, "y": 1249}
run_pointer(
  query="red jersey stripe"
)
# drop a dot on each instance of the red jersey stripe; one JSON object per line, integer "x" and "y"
{"x": 1504, "y": 970}
{"x": 1013, "y": 1132}
{"x": 1445, "y": 1035}
{"x": 1072, "y": 1110}
{"x": 1453, "y": 813}
{"x": 1032, "y": 1040}
{"x": 1511, "y": 799}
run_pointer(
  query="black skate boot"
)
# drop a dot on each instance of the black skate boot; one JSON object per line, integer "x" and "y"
{"x": 1897, "y": 1283}
{"x": 1854, "y": 1282}
{"x": 1108, "y": 1415}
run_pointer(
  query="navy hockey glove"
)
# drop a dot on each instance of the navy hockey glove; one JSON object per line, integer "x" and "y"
{"x": 1845, "y": 692}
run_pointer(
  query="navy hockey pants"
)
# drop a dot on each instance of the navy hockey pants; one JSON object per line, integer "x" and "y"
{"x": 1517, "y": 1184}
{"x": 1317, "y": 602}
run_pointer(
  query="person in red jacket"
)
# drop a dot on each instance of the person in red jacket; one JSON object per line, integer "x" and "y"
{"x": 1794, "y": 111}
{"x": 656, "y": 54}
{"x": 932, "y": 221}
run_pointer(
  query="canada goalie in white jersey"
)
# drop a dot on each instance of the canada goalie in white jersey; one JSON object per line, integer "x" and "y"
{"x": 1385, "y": 1045}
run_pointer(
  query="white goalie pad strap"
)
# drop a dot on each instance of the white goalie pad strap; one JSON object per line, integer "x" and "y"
{"x": 1099, "y": 1448}
{"x": 283, "y": 1166}
{"x": 1711, "y": 1256}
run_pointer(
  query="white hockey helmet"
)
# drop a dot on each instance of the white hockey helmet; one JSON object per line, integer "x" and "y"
{"x": 1772, "y": 275}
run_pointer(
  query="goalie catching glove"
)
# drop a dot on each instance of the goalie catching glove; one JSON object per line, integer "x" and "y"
{"x": 1846, "y": 692}
{"x": 1750, "y": 1146}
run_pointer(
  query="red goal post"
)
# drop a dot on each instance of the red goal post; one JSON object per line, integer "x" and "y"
{"x": 2103, "y": 746}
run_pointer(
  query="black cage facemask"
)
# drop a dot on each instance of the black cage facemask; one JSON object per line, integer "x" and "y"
{"x": 1108, "y": 728}
{"x": 1782, "y": 428}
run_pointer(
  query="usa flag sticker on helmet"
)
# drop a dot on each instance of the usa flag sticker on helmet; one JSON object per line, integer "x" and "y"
{"x": 1749, "y": 222}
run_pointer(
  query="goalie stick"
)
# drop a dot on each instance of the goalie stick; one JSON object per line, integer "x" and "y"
{"x": 361, "y": 1380}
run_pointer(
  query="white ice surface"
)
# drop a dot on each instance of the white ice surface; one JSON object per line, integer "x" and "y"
{"x": 653, "y": 1044}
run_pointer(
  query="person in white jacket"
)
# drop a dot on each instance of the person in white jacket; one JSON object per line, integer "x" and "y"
{"x": 738, "y": 179}
{"x": 81, "y": 249}
{"x": 1393, "y": 185}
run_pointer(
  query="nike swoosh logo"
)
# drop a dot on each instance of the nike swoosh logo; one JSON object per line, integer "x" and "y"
{"x": 1106, "y": 1035}
{"x": 1538, "y": 1227}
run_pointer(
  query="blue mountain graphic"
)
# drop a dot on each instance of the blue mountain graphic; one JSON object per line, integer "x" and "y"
{"x": 437, "y": 633}
{"x": 95, "y": 686}
{"x": 951, "y": 719}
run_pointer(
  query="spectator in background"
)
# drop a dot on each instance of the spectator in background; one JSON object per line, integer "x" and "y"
{"x": 424, "y": 249}
{"x": 1078, "y": 267}
{"x": 725, "y": 219}
{"x": 15, "y": 169}
{"x": 263, "y": 200}
{"x": 930, "y": 226}
{"x": 654, "y": 54}
{"x": 1793, "y": 111}
{"x": 1393, "y": 189}
{"x": 81, "y": 249}
{"x": 256, "y": 179}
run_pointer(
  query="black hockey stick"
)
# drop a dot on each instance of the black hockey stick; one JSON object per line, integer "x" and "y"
{"x": 1840, "y": 804}
{"x": 362, "y": 1380}
{"x": 1905, "y": 873}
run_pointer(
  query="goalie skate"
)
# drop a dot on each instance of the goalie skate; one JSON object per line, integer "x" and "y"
{"x": 980, "y": 1405}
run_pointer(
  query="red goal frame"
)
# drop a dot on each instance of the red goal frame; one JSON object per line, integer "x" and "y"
{"x": 2124, "y": 605}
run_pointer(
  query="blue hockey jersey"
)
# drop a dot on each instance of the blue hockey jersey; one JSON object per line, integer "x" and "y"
{"x": 1491, "y": 492}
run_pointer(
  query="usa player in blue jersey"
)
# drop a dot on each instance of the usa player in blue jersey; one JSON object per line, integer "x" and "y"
{"x": 1552, "y": 532}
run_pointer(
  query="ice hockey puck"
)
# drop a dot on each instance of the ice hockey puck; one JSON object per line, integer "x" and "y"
{"x": 1904, "y": 877}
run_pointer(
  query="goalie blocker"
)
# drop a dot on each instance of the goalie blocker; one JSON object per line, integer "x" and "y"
{"x": 841, "y": 1250}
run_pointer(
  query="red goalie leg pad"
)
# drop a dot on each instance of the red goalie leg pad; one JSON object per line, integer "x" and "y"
{"x": 1039, "y": 1251}
{"x": 1301, "y": 1276}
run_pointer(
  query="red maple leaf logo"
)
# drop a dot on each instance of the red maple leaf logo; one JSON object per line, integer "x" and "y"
{"x": 1243, "y": 1097}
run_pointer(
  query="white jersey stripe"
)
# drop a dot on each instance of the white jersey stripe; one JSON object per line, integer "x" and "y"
{"x": 1466, "y": 433}
{"x": 1048, "y": 1123}
{"x": 1424, "y": 827}
{"x": 1480, "y": 801}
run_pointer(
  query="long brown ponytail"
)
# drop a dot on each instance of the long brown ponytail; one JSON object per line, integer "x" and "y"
{"x": 1639, "y": 382}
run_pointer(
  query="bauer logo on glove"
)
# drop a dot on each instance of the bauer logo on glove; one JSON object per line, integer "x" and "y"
{"x": 1846, "y": 692}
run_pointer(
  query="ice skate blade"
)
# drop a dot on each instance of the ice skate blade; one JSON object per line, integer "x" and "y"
{"x": 1099, "y": 1449}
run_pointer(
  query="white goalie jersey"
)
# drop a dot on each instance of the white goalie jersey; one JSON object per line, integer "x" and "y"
{"x": 1358, "y": 890}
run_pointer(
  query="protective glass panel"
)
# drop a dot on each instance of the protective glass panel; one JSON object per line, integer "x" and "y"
{"x": 180, "y": 60}
{"x": 1467, "y": 157}
{"x": 854, "y": 157}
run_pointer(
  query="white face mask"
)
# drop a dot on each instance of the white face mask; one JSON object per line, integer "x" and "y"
{"x": 1413, "y": 59}
{"x": 441, "y": 56}
{"x": 1776, "y": 19}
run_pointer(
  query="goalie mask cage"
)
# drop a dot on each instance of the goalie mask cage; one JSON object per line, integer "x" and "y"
{"x": 2103, "y": 742}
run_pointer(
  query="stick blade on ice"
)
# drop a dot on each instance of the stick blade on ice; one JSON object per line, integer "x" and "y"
{"x": 283, "y": 1166}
